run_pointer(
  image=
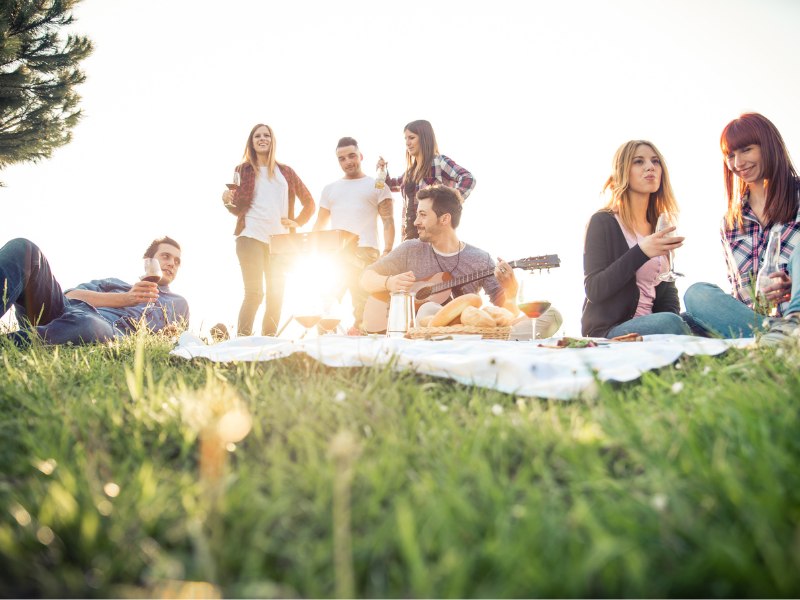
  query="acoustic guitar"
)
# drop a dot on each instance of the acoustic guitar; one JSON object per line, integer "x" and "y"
{"x": 437, "y": 288}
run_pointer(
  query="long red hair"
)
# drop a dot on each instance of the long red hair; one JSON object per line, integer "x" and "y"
{"x": 780, "y": 178}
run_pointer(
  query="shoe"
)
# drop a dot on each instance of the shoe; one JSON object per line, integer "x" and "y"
{"x": 782, "y": 330}
{"x": 219, "y": 332}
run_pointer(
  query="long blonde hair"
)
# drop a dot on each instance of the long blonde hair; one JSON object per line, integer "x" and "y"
{"x": 618, "y": 184}
{"x": 250, "y": 156}
{"x": 417, "y": 169}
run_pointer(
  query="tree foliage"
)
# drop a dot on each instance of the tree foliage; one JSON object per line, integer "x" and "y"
{"x": 38, "y": 75}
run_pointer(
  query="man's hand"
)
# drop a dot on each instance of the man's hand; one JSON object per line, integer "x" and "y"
{"x": 141, "y": 292}
{"x": 661, "y": 243}
{"x": 505, "y": 275}
{"x": 289, "y": 223}
{"x": 402, "y": 282}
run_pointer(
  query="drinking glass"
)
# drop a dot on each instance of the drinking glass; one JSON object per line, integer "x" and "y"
{"x": 237, "y": 181}
{"x": 530, "y": 303}
{"x": 308, "y": 322}
{"x": 666, "y": 220}
{"x": 152, "y": 270}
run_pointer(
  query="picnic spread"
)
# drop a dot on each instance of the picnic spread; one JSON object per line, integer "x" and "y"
{"x": 550, "y": 368}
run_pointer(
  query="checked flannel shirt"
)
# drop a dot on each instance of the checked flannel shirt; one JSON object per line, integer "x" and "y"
{"x": 744, "y": 249}
{"x": 443, "y": 170}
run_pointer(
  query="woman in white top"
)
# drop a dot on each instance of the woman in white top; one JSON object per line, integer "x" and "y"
{"x": 264, "y": 204}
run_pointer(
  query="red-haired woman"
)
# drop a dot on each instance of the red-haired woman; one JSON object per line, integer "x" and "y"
{"x": 264, "y": 205}
{"x": 424, "y": 167}
{"x": 763, "y": 195}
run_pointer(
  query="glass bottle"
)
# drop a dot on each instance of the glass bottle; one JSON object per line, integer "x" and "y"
{"x": 769, "y": 265}
{"x": 380, "y": 178}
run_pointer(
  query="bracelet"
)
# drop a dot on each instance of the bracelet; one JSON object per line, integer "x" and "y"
{"x": 386, "y": 283}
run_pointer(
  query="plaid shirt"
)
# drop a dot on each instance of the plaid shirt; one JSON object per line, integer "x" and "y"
{"x": 443, "y": 170}
{"x": 243, "y": 195}
{"x": 744, "y": 248}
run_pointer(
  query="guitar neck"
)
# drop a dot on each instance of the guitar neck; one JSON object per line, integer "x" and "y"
{"x": 463, "y": 280}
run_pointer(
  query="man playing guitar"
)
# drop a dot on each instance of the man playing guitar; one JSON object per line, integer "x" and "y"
{"x": 438, "y": 250}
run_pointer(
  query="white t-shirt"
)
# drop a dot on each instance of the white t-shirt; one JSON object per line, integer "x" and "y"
{"x": 270, "y": 203}
{"x": 354, "y": 207}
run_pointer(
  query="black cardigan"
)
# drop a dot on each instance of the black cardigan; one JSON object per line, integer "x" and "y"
{"x": 609, "y": 278}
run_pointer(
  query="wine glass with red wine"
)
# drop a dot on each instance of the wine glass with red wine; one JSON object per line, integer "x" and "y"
{"x": 307, "y": 321}
{"x": 530, "y": 303}
{"x": 152, "y": 270}
{"x": 237, "y": 181}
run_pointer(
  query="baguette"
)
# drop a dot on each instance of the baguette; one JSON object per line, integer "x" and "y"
{"x": 476, "y": 317}
{"x": 453, "y": 309}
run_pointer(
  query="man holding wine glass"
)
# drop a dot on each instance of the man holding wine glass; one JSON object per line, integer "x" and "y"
{"x": 95, "y": 311}
{"x": 438, "y": 250}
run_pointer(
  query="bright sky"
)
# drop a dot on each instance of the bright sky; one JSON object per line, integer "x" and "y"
{"x": 532, "y": 97}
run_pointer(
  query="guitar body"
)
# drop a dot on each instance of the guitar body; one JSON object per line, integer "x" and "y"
{"x": 437, "y": 288}
{"x": 376, "y": 309}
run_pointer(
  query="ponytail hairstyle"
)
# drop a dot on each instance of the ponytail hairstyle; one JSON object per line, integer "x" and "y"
{"x": 780, "y": 178}
{"x": 618, "y": 184}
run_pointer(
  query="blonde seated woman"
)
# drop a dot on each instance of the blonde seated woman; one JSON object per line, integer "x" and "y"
{"x": 623, "y": 255}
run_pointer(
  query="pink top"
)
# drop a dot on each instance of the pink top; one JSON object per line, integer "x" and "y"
{"x": 646, "y": 276}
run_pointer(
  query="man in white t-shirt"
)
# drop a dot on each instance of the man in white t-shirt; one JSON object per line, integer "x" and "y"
{"x": 354, "y": 203}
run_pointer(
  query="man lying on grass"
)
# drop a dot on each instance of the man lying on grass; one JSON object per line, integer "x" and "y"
{"x": 97, "y": 311}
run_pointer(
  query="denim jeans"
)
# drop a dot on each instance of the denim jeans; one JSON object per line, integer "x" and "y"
{"x": 27, "y": 283}
{"x": 716, "y": 312}
{"x": 661, "y": 322}
{"x": 351, "y": 280}
{"x": 259, "y": 269}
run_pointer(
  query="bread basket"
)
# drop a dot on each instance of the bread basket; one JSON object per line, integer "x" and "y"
{"x": 487, "y": 333}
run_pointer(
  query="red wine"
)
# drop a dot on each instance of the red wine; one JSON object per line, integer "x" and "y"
{"x": 152, "y": 278}
{"x": 308, "y": 321}
{"x": 329, "y": 323}
{"x": 231, "y": 186}
{"x": 534, "y": 309}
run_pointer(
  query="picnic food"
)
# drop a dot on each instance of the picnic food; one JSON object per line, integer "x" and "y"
{"x": 452, "y": 310}
{"x": 425, "y": 321}
{"x": 502, "y": 316}
{"x": 476, "y": 317}
{"x": 628, "y": 337}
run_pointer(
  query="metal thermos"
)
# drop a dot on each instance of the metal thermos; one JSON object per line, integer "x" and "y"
{"x": 401, "y": 314}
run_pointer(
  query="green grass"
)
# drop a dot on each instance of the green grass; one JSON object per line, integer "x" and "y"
{"x": 685, "y": 483}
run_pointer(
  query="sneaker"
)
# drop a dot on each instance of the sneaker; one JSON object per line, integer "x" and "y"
{"x": 782, "y": 330}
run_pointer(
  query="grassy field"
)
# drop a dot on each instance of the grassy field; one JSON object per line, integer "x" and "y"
{"x": 122, "y": 476}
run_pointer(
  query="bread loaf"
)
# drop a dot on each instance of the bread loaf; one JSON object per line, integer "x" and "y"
{"x": 453, "y": 309}
{"x": 476, "y": 317}
{"x": 425, "y": 321}
{"x": 502, "y": 316}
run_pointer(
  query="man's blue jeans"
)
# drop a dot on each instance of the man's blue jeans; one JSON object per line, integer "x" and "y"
{"x": 42, "y": 309}
{"x": 717, "y": 313}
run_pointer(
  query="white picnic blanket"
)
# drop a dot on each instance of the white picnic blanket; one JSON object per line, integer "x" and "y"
{"x": 514, "y": 367}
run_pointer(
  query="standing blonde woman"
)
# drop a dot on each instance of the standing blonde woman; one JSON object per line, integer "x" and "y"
{"x": 264, "y": 205}
{"x": 623, "y": 257}
{"x": 424, "y": 167}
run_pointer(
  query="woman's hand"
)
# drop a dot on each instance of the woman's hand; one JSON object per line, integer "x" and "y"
{"x": 227, "y": 198}
{"x": 289, "y": 223}
{"x": 382, "y": 164}
{"x": 781, "y": 288}
{"x": 661, "y": 243}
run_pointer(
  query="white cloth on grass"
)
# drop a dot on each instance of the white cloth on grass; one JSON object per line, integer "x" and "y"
{"x": 520, "y": 368}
